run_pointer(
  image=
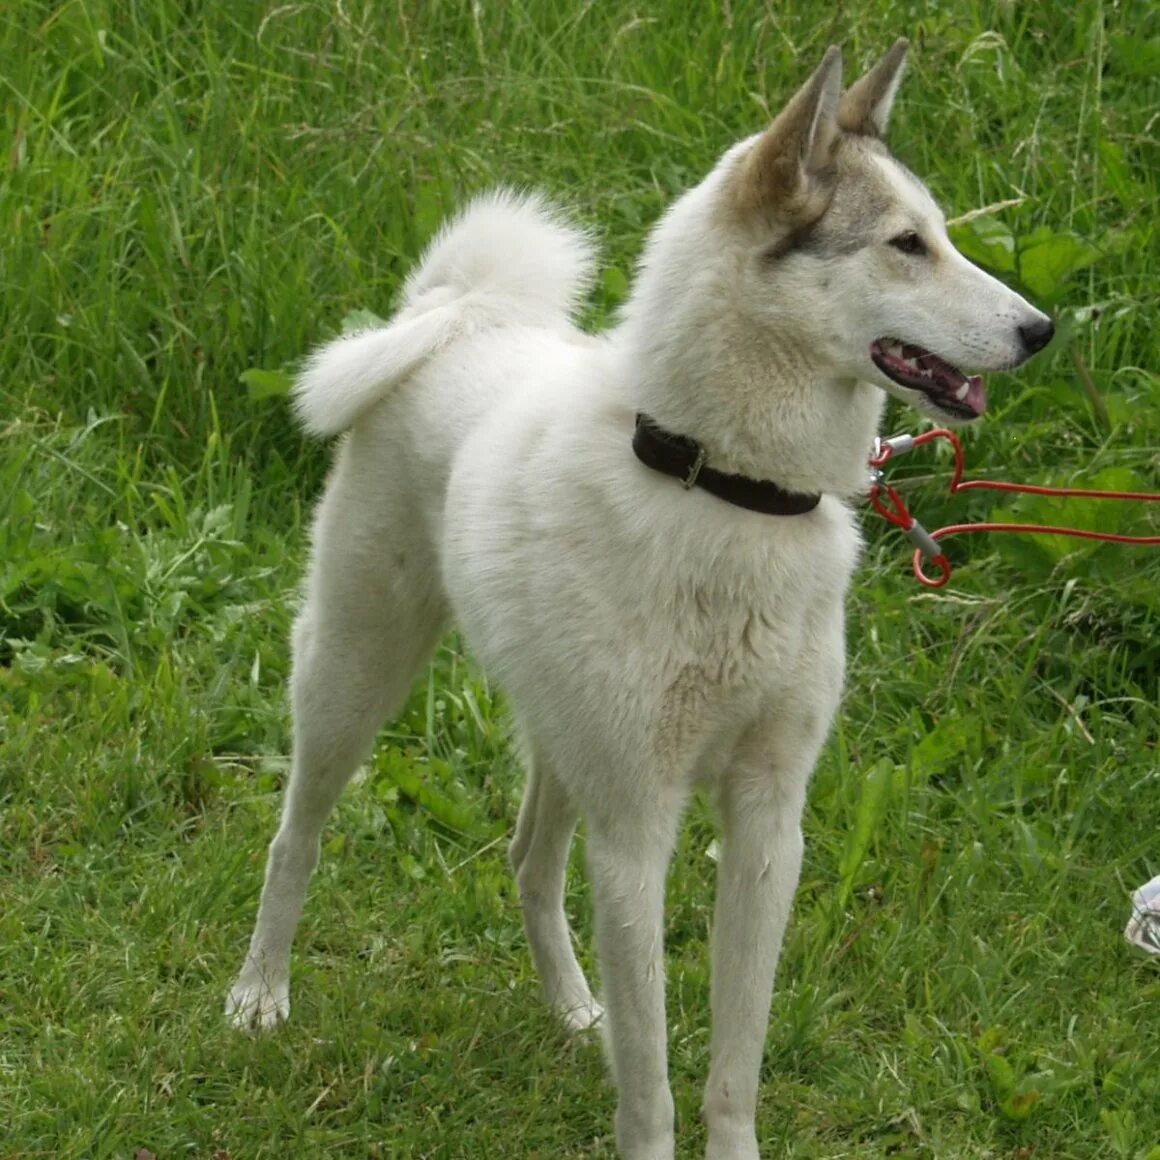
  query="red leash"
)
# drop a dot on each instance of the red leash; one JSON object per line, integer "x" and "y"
{"x": 926, "y": 543}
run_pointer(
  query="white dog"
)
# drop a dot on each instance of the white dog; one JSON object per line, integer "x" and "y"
{"x": 661, "y": 619}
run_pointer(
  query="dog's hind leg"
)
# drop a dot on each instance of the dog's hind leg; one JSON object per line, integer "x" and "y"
{"x": 372, "y": 616}
{"x": 539, "y": 857}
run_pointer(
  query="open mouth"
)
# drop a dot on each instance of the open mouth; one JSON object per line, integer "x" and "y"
{"x": 952, "y": 392}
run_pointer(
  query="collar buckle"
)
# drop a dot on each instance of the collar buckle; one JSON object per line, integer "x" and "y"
{"x": 690, "y": 480}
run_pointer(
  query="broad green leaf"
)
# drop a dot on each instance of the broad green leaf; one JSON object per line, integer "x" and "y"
{"x": 1019, "y": 1105}
{"x": 1047, "y": 260}
{"x": 262, "y": 384}
{"x": 1001, "y": 1074}
{"x": 1120, "y": 1125}
{"x": 987, "y": 241}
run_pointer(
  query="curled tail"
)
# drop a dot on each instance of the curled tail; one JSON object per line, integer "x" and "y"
{"x": 507, "y": 260}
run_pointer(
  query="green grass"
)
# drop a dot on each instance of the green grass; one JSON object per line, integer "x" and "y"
{"x": 193, "y": 191}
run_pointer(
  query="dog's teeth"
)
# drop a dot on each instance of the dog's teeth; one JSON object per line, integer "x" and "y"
{"x": 962, "y": 392}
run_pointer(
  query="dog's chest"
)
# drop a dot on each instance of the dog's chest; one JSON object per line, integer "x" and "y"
{"x": 750, "y": 636}
{"x": 736, "y": 652}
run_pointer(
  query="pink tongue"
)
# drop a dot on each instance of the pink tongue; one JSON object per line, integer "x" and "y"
{"x": 976, "y": 395}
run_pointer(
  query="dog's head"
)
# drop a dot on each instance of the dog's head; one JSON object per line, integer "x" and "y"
{"x": 846, "y": 245}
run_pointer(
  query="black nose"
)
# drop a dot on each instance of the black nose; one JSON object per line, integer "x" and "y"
{"x": 1037, "y": 335}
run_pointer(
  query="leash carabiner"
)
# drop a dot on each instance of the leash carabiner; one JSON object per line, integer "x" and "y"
{"x": 926, "y": 543}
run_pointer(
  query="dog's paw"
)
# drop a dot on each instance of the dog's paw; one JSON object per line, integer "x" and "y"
{"x": 258, "y": 1005}
{"x": 582, "y": 1016}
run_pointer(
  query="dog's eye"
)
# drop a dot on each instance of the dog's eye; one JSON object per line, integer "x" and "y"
{"x": 909, "y": 243}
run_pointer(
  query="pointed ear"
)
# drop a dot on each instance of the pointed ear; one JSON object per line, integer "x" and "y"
{"x": 777, "y": 172}
{"x": 865, "y": 105}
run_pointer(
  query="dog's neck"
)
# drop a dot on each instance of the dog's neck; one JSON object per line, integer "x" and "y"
{"x": 759, "y": 409}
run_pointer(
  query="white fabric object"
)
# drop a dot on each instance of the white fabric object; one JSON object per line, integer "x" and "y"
{"x": 1143, "y": 927}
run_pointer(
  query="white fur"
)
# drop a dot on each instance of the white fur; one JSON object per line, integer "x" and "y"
{"x": 651, "y": 637}
{"x": 514, "y": 263}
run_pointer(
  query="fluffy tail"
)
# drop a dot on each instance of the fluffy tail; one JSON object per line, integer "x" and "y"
{"x": 506, "y": 260}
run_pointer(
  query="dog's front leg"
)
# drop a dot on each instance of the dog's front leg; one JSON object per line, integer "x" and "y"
{"x": 628, "y": 858}
{"x": 761, "y": 850}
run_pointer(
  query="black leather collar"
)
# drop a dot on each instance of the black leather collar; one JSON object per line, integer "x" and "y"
{"x": 684, "y": 459}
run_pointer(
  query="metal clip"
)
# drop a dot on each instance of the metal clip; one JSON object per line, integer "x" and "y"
{"x": 695, "y": 470}
{"x": 886, "y": 449}
{"x": 898, "y": 444}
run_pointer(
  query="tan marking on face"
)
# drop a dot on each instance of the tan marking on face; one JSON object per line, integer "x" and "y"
{"x": 851, "y": 219}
